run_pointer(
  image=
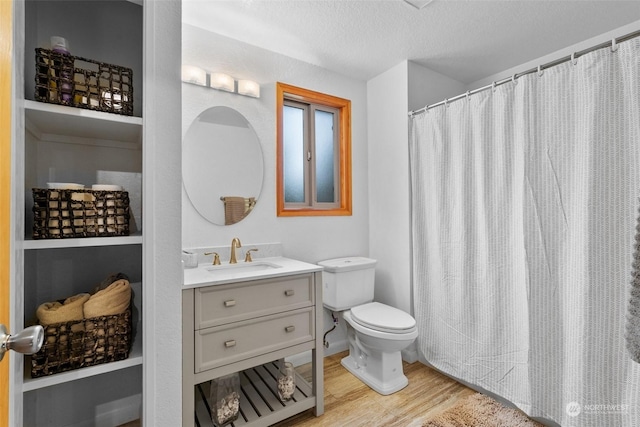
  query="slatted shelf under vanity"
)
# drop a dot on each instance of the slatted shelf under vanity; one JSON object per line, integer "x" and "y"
{"x": 259, "y": 402}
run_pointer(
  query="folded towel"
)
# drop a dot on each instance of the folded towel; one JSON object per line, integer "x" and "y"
{"x": 114, "y": 299}
{"x": 55, "y": 312}
{"x": 236, "y": 208}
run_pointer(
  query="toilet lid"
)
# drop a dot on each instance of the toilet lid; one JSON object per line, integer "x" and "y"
{"x": 382, "y": 317}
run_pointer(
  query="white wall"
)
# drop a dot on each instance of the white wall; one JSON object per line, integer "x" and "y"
{"x": 162, "y": 275}
{"x": 387, "y": 99}
{"x": 586, "y": 44}
{"x": 310, "y": 239}
{"x": 427, "y": 87}
{"x": 405, "y": 87}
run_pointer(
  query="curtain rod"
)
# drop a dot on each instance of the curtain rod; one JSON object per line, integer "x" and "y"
{"x": 613, "y": 44}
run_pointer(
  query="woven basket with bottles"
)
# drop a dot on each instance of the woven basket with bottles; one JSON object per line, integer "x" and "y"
{"x": 84, "y": 83}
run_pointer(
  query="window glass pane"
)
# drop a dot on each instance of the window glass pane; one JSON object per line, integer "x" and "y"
{"x": 325, "y": 146}
{"x": 293, "y": 147}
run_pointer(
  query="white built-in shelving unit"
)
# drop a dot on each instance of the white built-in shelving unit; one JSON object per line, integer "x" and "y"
{"x": 67, "y": 144}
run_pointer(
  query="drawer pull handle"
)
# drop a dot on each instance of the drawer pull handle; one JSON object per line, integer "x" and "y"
{"x": 289, "y": 292}
{"x": 290, "y": 328}
{"x": 230, "y": 343}
{"x": 230, "y": 303}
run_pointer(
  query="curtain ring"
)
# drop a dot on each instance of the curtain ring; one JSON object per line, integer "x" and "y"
{"x": 514, "y": 79}
{"x": 614, "y": 45}
{"x": 493, "y": 86}
{"x": 574, "y": 61}
{"x": 540, "y": 71}
{"x": 467, "y": 95}
{"x": 446, "y": 103}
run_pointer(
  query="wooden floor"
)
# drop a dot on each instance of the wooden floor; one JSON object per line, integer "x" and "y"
{"x": 349, "y": 402}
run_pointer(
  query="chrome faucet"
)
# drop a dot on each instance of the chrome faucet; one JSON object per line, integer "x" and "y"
{"x": 235, "y": 243}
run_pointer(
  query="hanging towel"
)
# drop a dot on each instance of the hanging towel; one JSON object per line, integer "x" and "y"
{"x": 114, "y": 299}
{"x": 236, "y": 208}
{"x": 70, "y": 310}
{"x": 633, "y": 312}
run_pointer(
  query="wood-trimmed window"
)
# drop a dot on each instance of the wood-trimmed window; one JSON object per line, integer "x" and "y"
{"x": 313, "y": 153}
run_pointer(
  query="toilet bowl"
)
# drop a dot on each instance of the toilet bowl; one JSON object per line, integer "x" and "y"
{"x": 377, "y": 333}
{"x": 375, "y": 349}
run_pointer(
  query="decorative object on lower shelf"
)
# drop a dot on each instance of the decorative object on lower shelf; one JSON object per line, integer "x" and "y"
{"x": 224, "y": 399}
{"x": 286, "y": 381}
{"x": 68, "y": 213}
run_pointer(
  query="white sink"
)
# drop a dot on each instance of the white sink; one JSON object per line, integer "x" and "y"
{"x": 261, "y": 268}
{"x": 244, "y": 267}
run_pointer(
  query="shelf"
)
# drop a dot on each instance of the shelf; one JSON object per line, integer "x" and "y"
{"x": 259, "y": 403}
{"x": 135, "y": 239}
{"x": 134, "y": 359}
{"x": 79, "y": 125}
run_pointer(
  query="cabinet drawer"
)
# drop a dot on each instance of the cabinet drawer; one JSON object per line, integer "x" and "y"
{"x": 221, "y": 345}
{"x": 221, "y": 304}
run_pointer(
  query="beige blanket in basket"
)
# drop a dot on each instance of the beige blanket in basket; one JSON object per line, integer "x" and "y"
{"x": 70, "y": 310}
{"x": 114, "y": 299}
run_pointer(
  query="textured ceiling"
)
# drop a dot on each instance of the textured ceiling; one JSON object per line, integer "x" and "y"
{"x": 465, "y": 40}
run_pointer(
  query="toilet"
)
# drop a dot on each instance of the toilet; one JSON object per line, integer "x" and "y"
{"x": 377, "y": 333}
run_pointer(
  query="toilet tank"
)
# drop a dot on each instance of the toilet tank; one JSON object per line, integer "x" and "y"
{"x": 347, "y": 282}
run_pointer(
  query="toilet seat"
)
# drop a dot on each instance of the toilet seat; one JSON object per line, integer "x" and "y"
{"x": 383, "y": 318}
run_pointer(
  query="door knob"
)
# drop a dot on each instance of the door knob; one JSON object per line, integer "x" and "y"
{"x": 28, "y": 341}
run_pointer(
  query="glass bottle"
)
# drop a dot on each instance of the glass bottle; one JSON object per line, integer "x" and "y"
{"x": 286, "y": 381}
{"x": 224, "y": 399}
{"x": 60, "y": 45}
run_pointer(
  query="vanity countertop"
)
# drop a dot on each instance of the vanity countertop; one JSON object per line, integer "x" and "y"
{"x": 260, "y": 268}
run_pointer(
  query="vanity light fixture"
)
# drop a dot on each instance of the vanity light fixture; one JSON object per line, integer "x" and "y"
{"x": 194, "y": 75}
{"x": 219, "y": 81}
{"x": 249, "y": 88}
{"x": 222, "y": 81}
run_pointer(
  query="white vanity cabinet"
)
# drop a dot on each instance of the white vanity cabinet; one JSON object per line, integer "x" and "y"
{"x": 247, "y": 327}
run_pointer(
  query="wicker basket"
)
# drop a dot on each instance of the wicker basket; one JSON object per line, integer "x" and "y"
{"x": 59, "y": 213}
{"x": 84, "y": 83}
{"x": 88, "y": 342}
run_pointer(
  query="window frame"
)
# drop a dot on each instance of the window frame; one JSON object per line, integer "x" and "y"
{"x": 343, "y": 186}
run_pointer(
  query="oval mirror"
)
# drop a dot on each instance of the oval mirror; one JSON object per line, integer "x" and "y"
{"x": 222, "y": 165}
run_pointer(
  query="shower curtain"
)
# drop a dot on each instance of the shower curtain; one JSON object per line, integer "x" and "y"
{"x": 524, "y": 202}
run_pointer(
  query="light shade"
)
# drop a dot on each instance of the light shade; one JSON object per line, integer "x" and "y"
{"x": 249, "y": 88}
{"x": 194, "y": 75}
{"x": 222, "y": 81}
